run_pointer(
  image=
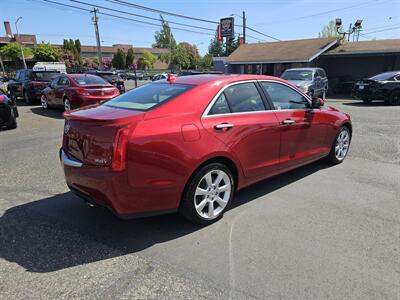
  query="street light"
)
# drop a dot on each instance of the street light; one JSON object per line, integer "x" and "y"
{"x": 22, "y": 50}
{"x": 244, "y": 25}
{"x": 357, "y": 27}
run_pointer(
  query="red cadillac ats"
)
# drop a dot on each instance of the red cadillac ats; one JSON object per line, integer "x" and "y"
{"x": 187, "y": 144}
{"x": 77, "y": 90}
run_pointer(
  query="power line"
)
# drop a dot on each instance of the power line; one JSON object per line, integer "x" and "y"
{"x": 380, "y": 27}
{"x": 140, "y": 16}
{"x": 160, "y": 11}
{"x": 125, "y": 18}
{"x": 124, "y": 3}
{"x": 383, "y": 30}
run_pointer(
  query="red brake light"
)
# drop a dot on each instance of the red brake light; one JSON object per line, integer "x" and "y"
{"x": 1, "y": 98}
{"x": 119, "y": 154}
{"x": 82, "y": 92}
{"x": 171, "y": 78}
{"x": 36, "y": 83}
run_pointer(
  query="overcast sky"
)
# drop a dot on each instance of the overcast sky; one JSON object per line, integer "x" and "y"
{"x": 283, "y": 19}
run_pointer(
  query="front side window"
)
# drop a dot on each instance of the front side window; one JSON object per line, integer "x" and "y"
{"x": 244, "y": 97}
{"x": 283, "y": 97}
{"x": 148, "y": 96}
{"x": 43, "y": 75}
{"x": 63, "y": 81}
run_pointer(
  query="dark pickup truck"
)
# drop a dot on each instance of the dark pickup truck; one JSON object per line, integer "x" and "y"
{"x": 28, "y": 84}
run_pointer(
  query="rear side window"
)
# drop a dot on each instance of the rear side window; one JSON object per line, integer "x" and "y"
{"x": 220, "y": 106}
{"x": 244, "y": 97}
{"x": 43, "y": 76}
{"x": 148, "y": 96}
{"x": 88, "y": 80}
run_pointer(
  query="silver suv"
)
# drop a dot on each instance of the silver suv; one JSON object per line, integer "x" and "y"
{"x": 312, "y": 81}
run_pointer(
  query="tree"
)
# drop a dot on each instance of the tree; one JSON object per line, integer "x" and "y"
{"x": 192, "y": 53}
{"x": 45, "y": 52}
{"x": 75, "y": 48}
{"x": 129, "y": 58}
{"x": 91, "y": 63}
{"x": 164, "y": 38}
{"x": 215, "y": 48}
{"x": 78, "y": 46}
{"x": 180, "y": 58}
{"x": 147, "y": 60}
{"x": 119, "y": 59}
{"x": 12, "y": 51}
{"x": 232, "y": 45}
{"x": 330, "y": 30}
{"x": 67, "y": 57}
{"x": 207, "y": 62}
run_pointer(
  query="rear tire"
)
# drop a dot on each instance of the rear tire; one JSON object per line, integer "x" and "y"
{"x": 394, "y": 98}
{"x": 12, "y": 123}
{"x": 340, "y": 146}
{"x": 366, "y": 100}
{"x": 208, "y": 194}
{"x": 26, "y": 97}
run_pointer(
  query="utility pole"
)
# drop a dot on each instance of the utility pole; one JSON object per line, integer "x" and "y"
{"x": 244, "y": 27}
{"x": 2, "y": 66}
{"x": 22, "y": 50}
{"x": 95, "y": 21}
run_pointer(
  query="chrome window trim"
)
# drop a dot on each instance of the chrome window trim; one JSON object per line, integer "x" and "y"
{"x": 211, "y": 104}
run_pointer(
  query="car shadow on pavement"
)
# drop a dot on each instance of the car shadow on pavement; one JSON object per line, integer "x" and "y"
{"x": 50, "y": 113}
{"x": 362, "y": 104}
{"x": 61, "y": 231}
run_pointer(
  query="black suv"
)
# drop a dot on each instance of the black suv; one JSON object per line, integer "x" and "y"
{"x": 112, "y": 77}
{"x": 29, "y": 84}
{"x": 384, "y": 86}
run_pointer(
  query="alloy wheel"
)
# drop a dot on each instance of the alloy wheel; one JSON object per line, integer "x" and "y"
{"x": 67, "y": 104}
{"x": 342, "y": 144}
{"x": 44, "y": 102}
{"x": 212, "y": 194}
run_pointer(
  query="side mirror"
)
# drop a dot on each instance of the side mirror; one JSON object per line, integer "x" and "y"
{"x": 317, "y": 102}
{"x": 52, "y": 85}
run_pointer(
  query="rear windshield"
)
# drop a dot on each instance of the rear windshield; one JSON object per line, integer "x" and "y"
{"x": 297, "y": 75}
{"x": 148, "y": 96}
{"x": 43, "y": 76}
{"x": 90, "y": 80}
{"x": 383, "y": 76}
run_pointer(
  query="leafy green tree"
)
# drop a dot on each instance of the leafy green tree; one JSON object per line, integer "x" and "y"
{"x": 148, "y": 60}
{"x": 330, "y": 31}
{"x": 180, "y": 58}
{"x": 45, "y": 52}
{"x": 164, "y": 38}
{"x": 129, "y": 58}
{"x": 119, "y": 59}
{"x": 215, "y": 48}
{"x": 207, "y": 61}
{"x": 67, "y": 57}
{"x": 232, "y": 45}
{"x": 12, "y": 51}
{"x": 192, "y": 53}
{"x": 78, "y": 46}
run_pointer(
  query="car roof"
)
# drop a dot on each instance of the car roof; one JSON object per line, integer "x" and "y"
{"x": 303, "y": 69}
{"x": 79, "y": 75}
{"x": 221, "y": 79}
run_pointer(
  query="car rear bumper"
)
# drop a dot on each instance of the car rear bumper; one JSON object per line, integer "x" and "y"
{"x": 102, "y": 187}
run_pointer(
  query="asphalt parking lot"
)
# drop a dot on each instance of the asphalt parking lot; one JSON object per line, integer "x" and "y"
{"x": 317, "y": 232}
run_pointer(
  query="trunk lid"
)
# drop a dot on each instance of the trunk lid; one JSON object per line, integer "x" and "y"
{"x": 89, "y": 133}
{"x": 99, "y": 90}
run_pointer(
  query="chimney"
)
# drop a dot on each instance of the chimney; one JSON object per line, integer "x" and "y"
{"x": 8, "y": 29}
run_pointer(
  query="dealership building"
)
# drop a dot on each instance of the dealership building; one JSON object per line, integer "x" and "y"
{"x": 343, "y": 63}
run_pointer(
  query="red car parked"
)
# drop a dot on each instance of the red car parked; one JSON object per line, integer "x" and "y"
{"x": 77, "y": 90}
{"x": 188, "y": 144}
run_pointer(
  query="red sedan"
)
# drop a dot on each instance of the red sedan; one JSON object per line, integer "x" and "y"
{"x": 188, "y": 144}
{"x": 77, "y": 90}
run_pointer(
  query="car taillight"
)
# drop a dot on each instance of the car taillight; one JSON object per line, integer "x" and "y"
{"x": 119, "y": 154}
{"x": 35, "y": 83}
{"x": 82, "y": 92}
{"x": 1, "y": 98}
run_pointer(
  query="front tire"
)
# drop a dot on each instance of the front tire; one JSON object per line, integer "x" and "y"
{"x": 44, "y": 102}
{"x": 208, "y": 194}
{"x": 340, "y": 146}
{"x": 67, "y": 104}
{"x": 394, "y": 98}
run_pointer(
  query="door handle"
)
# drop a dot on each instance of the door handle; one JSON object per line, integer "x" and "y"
{"x": 288, "y": 121}
{"x": 223, "y": 126}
